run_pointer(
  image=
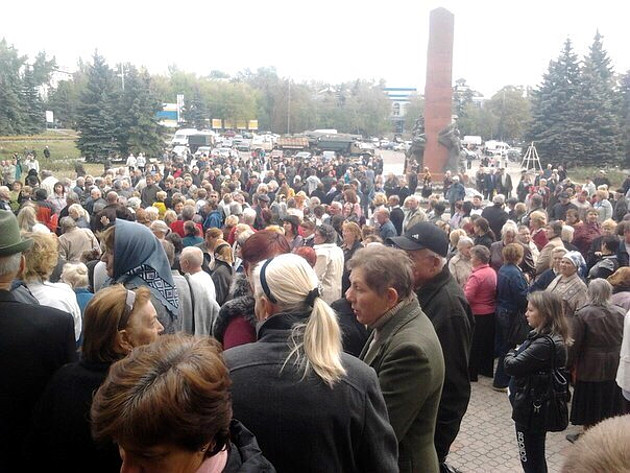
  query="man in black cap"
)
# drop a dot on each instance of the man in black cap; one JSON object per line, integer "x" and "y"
{"x": 36, "y": 341}
{"x": 559, "y": 210}
{"x": 443, "y": 300}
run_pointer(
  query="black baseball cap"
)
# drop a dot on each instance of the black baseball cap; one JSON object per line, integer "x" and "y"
{"x": 422, "y": 235}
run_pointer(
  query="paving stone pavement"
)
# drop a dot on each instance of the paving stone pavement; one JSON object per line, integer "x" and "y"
{"x": 487, "y": 440}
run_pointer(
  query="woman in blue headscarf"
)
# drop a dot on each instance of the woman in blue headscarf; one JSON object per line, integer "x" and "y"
{"x": 134, "y": 257}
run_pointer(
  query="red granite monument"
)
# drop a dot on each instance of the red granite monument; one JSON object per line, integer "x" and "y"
{"x": 438, "y": 92}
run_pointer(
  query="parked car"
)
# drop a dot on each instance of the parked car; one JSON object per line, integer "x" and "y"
{"x": 303, "y": 155}
{"x": 203, "y": 150}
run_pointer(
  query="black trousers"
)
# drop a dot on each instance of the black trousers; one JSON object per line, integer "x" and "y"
{"x": 482, "y": 349}
{"x": 531, "y": 450}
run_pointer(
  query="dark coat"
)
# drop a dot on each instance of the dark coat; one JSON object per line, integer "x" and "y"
{"x": 301, "y": 424}
{"x": 236, "y": 318}
{"x": 496, "y": 217}
{"x": 408, "y": 360}
{"x": 244, "y": 455}
{"x": 397, "y": 215}
{"x": 597, "y": 332}
{"x": 36, "y": 342}
{"x": 61, "y": 427}
{"x": 354, "y": 334}
{"x": 222, "y": 277}
{"x": 444, "y": 302}
{"x": 525, "y": 365}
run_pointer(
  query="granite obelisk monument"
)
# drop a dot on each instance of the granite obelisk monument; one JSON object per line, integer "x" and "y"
{"x": 438, "y": 92}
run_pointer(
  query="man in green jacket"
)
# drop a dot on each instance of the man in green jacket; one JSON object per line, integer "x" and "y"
{"x": 403, "y": 349}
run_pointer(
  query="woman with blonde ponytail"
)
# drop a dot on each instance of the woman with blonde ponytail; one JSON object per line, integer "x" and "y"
{"x": 312, "y": 407}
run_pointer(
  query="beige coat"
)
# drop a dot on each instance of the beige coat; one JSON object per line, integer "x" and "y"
{"x": 74, "y": 243}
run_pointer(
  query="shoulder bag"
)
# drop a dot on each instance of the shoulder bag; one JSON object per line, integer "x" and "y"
{"x": 553, "y": 403}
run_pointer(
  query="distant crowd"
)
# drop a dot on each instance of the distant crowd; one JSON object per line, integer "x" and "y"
{"x": 268, "y": 313}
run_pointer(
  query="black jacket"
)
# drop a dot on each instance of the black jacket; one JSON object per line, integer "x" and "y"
{"x": 37, "y": 340}
{"x": 529, "y": 367}
{"x": 301, "y": 423}
{"x": 444, "y": 302}
{"x": 240, "y": 303}
{"x": 244, "y": 453}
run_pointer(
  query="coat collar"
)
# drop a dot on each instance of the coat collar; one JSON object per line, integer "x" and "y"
{"x": 406, "y": 313}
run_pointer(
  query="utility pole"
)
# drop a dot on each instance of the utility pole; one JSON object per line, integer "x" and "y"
{"x": 289, "y": 110}
{"x": 122, "y": 75}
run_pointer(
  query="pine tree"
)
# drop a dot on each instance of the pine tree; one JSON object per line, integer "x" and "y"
{"x": 594, "y": 125}
{"x": 138, "y": 129}
{"x": 13, "y": 119}
{"x": 32, "y": 103}
{"x": 551, "y": 112}
{"x": 96, "y": 117}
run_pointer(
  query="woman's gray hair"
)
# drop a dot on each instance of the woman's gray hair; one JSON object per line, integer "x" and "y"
{"x": 599, "y": 292}
{"x": 327, "y": 232}
{"x": 465, "y": 241}
{"x": 509, "y": 226}
{"x": 481, "y": 252}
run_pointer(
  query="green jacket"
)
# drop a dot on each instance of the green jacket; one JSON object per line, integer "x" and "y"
{"x": 407, "y": 358}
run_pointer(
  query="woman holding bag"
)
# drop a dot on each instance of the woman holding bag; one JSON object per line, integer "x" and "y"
{"x": 530, "y": 365}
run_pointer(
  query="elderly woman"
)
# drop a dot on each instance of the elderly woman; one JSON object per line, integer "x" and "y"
{"x": 79, "y": 215}
{"x": 352, "y": 237}
{"x": 602, "y": 205}
{"x": 75, "y": 241}
{"x": 480, "y": 291}
{"x": 542, "y": 281}
{"x": 41, "y": 259}
{"x": 537, "y": 224}
{"x": 135, "y": 258}
{"x": 222, "y": 271}
{"x": 607, "y": 262}
{"x": 116, "y": 321}
{"x": 330, "y": 261}
{"x": 594, "y": 358}
{"x": 509, "y": 234}
{"x": 609, "y": 228}
{"x": 553, "y": 232}
{"x": 191, "y": 427}
{"x": 460, "y": 265}
{"x": 511, "y": 327}
{"x": 620, "y": 282}
{"x": 305, "y": 371}
{"x": 586, "y": 232}
{"x": 525, "y": 237}
{"x": 568, "y": 285}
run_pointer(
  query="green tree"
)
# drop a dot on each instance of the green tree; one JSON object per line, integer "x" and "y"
{"x": 32, "y": 103}
{"x": 594, "y": 129}
{"x": 138, "y": 130}
{"x": 551, "y": 107}
{"x": 96, "y": 113}
{"x": 512, "y": 111}
{"x": 13, "y": 116}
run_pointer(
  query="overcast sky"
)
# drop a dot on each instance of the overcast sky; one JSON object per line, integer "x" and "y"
{"x": 497, "y": 43}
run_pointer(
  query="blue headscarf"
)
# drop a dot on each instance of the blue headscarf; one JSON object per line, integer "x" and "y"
{"x": 140, "y": 259}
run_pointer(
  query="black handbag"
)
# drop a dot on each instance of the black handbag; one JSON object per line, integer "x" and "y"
{"x": 553, "y": 404}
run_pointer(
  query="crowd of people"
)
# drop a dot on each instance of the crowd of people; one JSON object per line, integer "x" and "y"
{"x": 269, "y": 314}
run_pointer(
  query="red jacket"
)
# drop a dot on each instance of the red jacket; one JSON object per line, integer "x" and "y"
{"x": 481, "y": 290}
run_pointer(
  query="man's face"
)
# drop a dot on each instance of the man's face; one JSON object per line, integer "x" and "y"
{"x": 425, "y": 266}
{"x": 368, "y": 305}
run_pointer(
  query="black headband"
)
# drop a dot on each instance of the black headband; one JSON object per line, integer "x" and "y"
{"x": 263, "y": 282}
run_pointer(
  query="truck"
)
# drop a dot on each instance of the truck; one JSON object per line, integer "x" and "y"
{"x": 292, "y": 143}
{"x": 200, "y": 137}
{"x": 344, "y": 144}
